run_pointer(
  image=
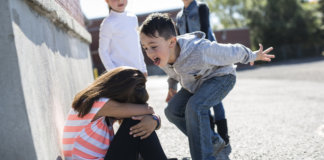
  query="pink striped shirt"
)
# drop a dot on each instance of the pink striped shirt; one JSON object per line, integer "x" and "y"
{"x": 85, "y": 140}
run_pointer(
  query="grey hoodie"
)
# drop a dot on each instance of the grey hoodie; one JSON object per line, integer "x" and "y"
{"x": 200, "y": 60}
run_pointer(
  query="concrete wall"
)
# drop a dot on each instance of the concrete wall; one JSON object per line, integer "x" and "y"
{"x": 44, "y": 61}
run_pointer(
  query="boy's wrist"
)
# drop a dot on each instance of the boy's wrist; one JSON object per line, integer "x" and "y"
{"x": 255, "y": 56}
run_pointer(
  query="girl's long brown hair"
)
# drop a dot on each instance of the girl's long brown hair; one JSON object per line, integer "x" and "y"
{"x": 122, "y": 84}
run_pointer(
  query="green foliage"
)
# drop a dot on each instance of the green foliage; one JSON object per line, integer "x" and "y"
{"x": 288, "y": 25}
{"x": 321, "y": 10}
{"x": 232, "y": 13}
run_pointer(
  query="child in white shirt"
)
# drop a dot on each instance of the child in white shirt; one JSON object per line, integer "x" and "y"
{"x": 119, "y": 43}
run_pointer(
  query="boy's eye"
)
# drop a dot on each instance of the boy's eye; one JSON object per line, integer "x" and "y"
{"x": 154, "y": 47}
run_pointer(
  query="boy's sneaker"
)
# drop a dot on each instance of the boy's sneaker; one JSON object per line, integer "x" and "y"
{"x": 219, "y": 144}
{"x": 227, "y": 143}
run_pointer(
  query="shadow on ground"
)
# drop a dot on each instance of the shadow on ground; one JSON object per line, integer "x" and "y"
{"x": 243, "y": 67}
{"x": 222, "y": 155}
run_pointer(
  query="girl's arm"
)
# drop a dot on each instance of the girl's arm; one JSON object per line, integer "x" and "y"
{"x": 124, "y": 110}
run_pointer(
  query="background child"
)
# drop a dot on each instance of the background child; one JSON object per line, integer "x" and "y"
{"x": 118, "y": 38}
{"x": 88, "y": 132}
{"x": 194, "y": 16}
{"x": 205, "y": 71}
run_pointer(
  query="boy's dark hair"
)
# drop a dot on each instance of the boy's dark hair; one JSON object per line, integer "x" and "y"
{"x": 122, "y": 84}
{"x": 160, "y": 23}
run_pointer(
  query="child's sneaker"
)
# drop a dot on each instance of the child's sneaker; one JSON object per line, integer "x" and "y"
{"x": 227, "y": 143}
{"x": 222, "y": 130}
{"x": 219, "y": 144}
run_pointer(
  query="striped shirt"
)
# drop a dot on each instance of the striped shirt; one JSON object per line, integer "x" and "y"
{"x": 83, "y": 139}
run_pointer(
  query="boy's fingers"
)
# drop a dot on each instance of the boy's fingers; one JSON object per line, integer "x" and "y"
{"x": 268, "y": 57}
{"x": 261, "y": 47}
{"x": 268, "y": 50}
{"x": 251, "y": 63}
{"x": 167, "y": 99}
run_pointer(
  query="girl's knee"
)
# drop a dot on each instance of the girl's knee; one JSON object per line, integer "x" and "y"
{"x": 128, "y": 122}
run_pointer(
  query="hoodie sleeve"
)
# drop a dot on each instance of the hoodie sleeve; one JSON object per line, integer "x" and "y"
{"x": 225, "y": 54}
{"x": 173, "y": 78}
{"x": 173, "y": 83}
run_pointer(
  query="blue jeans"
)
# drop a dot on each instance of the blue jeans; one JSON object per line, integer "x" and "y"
{"x": 219, "y": 112}
{"x": 190, "y": 113}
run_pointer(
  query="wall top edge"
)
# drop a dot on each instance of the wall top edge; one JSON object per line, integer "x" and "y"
{"x": 57, "y": 14}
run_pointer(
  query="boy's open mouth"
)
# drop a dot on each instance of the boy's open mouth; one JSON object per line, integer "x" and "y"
{"x": 156, "y": 61}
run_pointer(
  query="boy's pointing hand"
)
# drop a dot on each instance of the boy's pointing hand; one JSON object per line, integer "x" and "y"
{"x": 262, "y": 55}
{"x": 171, "y": 93}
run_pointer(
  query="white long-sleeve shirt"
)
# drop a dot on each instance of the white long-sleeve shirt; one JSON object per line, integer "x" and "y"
{"x": 119, "y": 43}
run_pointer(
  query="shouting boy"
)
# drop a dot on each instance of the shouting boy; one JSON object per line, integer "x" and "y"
{"x": 205, "y": 71}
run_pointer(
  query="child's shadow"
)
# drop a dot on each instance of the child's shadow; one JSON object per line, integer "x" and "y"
{"x": 224, "y": 153}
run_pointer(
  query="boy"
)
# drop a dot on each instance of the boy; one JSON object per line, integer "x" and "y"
{"x": 205, "y": 71}
{"x": 194, "y": 16}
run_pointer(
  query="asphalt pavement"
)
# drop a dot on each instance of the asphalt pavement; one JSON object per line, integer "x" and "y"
{"x": 275, "y": 112}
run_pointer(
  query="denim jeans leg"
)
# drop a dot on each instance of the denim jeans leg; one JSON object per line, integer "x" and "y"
{"x": 201, "y": 137}
{"x": 175, "y": 111}
{"x": 219, "y": 112}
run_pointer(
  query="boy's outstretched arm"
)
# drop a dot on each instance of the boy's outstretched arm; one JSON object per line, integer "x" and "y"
{"x": 226, "y": 54}
{"x": 263, "y": 55}
{"x": 124, "y": 110}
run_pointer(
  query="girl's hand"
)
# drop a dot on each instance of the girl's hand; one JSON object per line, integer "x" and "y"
{"x": 171, "y": 93}
{"x": 263, "y": 55}
{"x": 144, "y": 128}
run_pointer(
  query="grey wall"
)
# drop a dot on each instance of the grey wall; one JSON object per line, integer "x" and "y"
{"x": 42, "y": 66}
{"x": 15, "y": 134}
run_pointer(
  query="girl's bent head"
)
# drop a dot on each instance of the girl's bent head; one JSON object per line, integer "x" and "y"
{"x": 117, "y": 5}
{"x": 122, "y": 84}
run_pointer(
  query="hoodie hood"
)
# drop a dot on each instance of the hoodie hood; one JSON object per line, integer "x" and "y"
{"x": 188, "y": 42}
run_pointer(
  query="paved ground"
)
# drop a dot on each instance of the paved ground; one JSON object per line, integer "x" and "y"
{"x": 274, "y": 112}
